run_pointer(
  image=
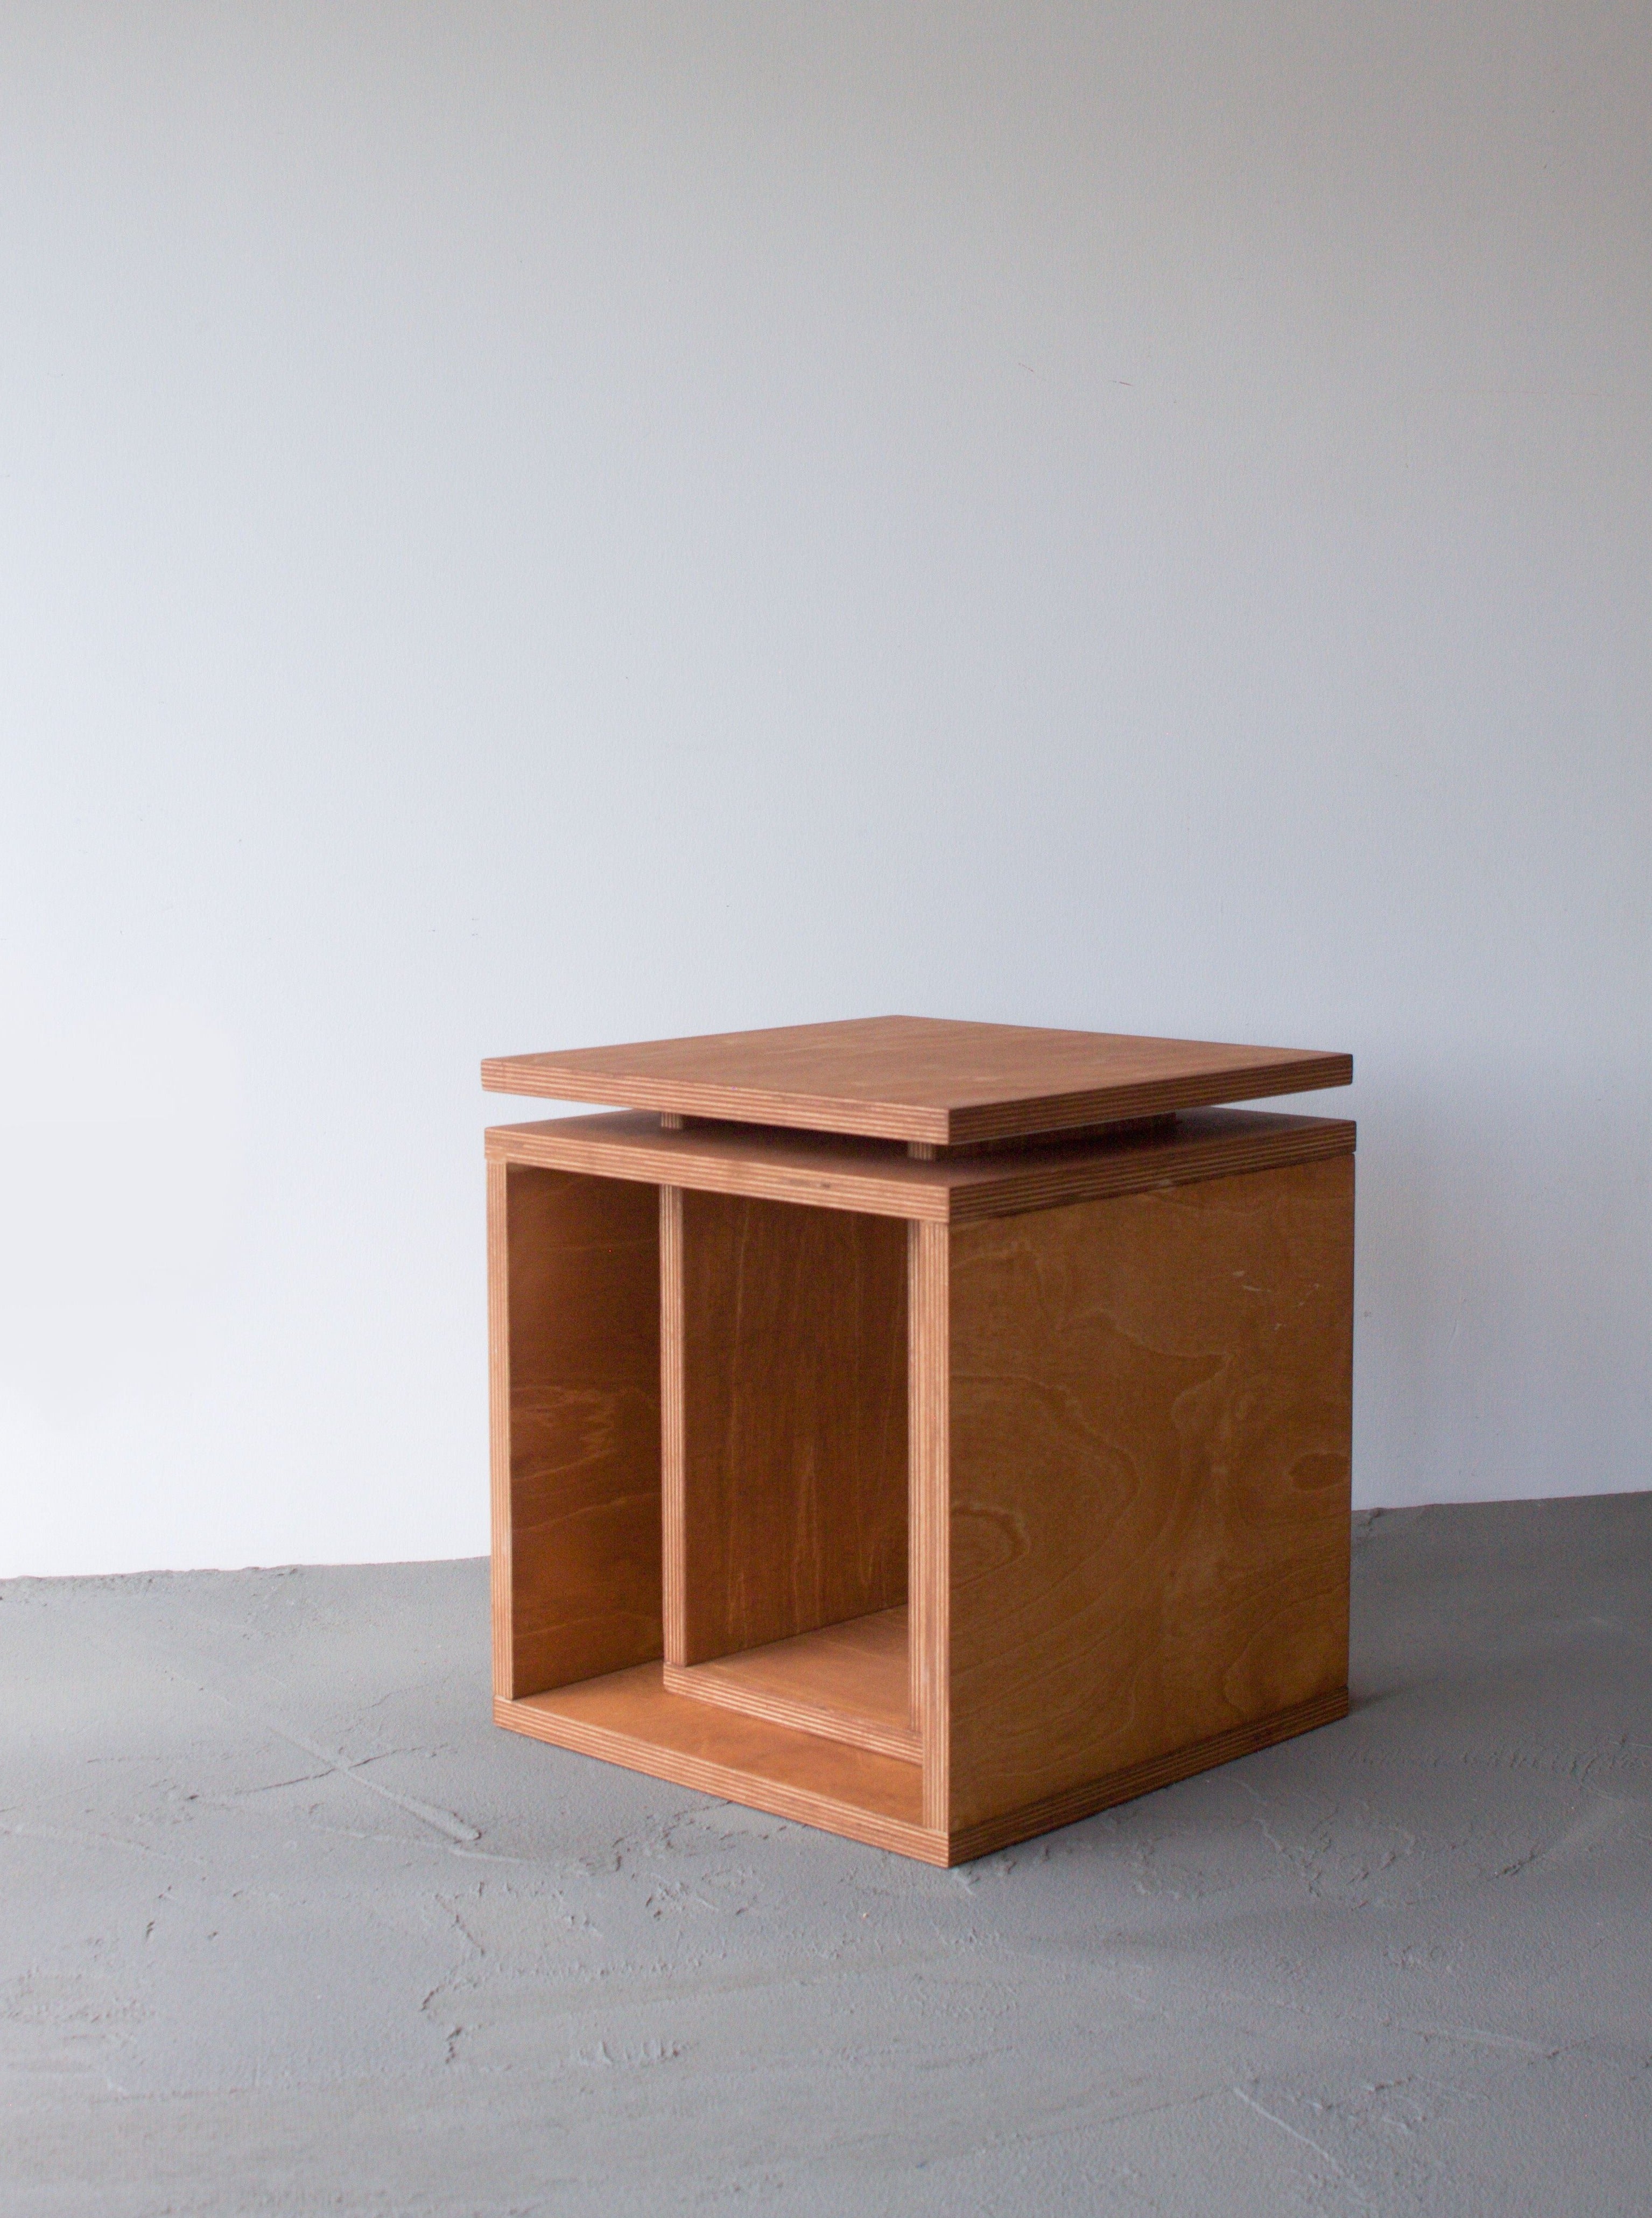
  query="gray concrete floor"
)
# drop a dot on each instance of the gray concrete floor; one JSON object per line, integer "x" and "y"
{"x": 285, "y": 1926}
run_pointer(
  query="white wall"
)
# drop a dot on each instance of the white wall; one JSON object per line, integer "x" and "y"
{"x": 523, "y": 525}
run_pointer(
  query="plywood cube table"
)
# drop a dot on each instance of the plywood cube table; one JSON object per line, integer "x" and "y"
{"x": 933, "y": 1432}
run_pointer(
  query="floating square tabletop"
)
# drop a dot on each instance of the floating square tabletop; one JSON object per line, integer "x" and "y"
{"x": 926, "y": 1079}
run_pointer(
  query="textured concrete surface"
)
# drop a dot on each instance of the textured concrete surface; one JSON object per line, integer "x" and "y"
{"x": 285, "y": 1926}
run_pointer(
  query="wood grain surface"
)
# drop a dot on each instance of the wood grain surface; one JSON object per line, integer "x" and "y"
{"x": 575, "y": 1273}
{"x": 1072, "y": 1803}
{"x": 875, "y": 1178}
{"x": 919, "y": 1078}
{"x": 794, "y": 1397}
{"x": 1149, "y": 1497}
{"x": 851, "y": 1682}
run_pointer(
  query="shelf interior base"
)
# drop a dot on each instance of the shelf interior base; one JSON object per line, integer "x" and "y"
{"x": 629, "y": 1718}
{"x": 851, "y": 1681}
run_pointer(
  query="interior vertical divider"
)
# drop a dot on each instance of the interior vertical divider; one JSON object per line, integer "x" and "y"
{"x": 673, "y": 1477}
{"x": 929, "y": 1400}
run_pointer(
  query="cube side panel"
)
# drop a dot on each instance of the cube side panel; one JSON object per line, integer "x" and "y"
{"x": 1151, "y": 1419}
{"x": 577, "y": 1371}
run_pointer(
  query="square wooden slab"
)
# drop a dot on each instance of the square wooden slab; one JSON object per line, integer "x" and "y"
{"x": 919, "y": 1078}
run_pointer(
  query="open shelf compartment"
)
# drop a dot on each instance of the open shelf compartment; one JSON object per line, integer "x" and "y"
{"x": 783, "y": 1341}
{"x": 702, "y": 1473}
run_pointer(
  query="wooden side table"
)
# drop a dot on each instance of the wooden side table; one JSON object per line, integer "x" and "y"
{"x": 933, "y": 1432}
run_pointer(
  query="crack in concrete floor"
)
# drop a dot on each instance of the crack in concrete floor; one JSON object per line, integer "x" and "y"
{"x": 1400, "y": 1965}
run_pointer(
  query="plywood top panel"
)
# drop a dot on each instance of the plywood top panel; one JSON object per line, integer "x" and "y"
{"x": 919, "y": 1078}
{"x": 829, "y": 1171}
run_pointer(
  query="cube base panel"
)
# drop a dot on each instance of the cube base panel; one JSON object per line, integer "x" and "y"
{"x": 629, "y": 1719}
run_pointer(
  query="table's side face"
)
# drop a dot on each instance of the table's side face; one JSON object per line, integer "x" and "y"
{"x": 1148, "y": 1516}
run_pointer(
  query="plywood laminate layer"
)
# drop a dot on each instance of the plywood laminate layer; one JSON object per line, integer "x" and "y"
{"x": 921, "y": 1079}
{"x": 830, "y": 1171}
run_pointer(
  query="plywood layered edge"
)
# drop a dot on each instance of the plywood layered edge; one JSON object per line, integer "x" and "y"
{"x": 864, "y": 1175}
{"x": 672, "y": 1444}
{"x": 1008, "y": 1120}
{"x": 929, "y": 1556}
{"x": 704, "y": 1682}
{"x": 944, "y": 1128}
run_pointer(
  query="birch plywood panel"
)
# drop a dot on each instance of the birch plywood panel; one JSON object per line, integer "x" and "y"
{"x": 577, "y": 1386}
{"x": 793, "y": 1421}
{"x": 1149, "y": 1493}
